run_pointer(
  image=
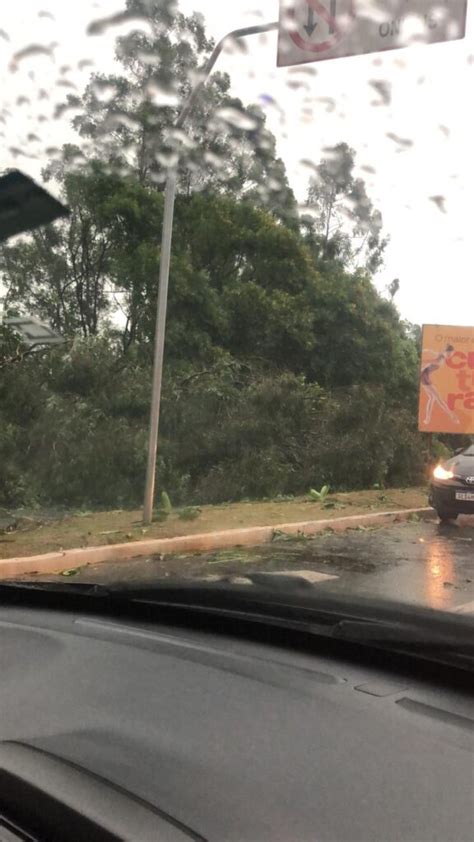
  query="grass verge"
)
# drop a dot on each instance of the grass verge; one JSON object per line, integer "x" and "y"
{"x": 33, "y": 535}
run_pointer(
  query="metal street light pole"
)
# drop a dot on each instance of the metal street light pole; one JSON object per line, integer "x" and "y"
{"x": 165, "y": 259}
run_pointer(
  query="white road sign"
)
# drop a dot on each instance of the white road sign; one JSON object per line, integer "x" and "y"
{"x": 314, "y": 30}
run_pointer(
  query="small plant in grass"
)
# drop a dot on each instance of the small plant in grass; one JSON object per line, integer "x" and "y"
{"x": 190, "y": 513}
{"x": 162, "y": 514}
{"x": 166, "y": 505}
{"x": 319, "y": 496}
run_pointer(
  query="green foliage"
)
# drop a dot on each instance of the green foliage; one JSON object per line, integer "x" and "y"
{"x": 440, "y": 451}
{"x": 125, "y": 120}
{"x": 343, "y": 224}
{"x": 166, "y": 505}
{"x": 74, "y": 425}
{"x": 189, "y": 513}
{"x": 319, "y": 496}
{"x": 278, "y": 373}
{"x": 73, "y": 440}
{"x": 285, "y": 368}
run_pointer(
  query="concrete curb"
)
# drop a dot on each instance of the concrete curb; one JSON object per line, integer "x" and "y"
{"x": 70, "y": 559}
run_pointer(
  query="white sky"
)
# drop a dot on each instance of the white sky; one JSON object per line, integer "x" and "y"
{"x": 431, "y": 105}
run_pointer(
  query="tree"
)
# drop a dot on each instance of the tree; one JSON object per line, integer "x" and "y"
{"x": 343, "y": 224}
{"x": 127, "y": 120}
{"x": 80, "y": 273}
{"x": 60, "y": 272}
{"x": 285, "y": 368}
{"x": 241, "y": 283}
{"x": 393, "y": 288}
{"x": 12, "y": 348}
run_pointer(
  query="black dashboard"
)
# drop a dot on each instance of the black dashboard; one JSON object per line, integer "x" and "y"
{"x": 125, "y": 729}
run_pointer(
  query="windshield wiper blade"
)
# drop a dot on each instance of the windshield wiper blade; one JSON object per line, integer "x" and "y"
{"x": 392, "y": 627}
{"x": 409, "y": 629}
{"x": 82, "y": 588}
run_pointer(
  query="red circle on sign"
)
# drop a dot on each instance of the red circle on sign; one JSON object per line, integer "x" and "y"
{"x": 308, "y": 46}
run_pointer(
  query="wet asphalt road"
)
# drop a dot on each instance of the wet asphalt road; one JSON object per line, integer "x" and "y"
{"x": 424, "y": 563}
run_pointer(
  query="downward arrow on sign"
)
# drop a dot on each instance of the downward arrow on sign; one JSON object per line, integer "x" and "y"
{"x": 311, "y": 25}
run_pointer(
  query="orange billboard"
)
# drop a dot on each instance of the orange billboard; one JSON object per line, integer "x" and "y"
{"x": 447, "y": 380}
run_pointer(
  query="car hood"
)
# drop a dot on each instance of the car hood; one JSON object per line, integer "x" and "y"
{"x": 462, "y": 466}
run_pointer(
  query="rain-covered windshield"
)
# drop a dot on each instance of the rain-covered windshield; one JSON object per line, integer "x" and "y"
{"x": 225, "y": 333}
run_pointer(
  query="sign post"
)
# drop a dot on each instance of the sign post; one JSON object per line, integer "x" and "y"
{"x": 317, "y": 30}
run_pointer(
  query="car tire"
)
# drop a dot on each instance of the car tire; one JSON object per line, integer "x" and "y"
{"x": 446, "y": 516}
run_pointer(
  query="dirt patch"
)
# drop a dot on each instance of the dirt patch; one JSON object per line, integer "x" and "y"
{"x": 38, "y": 534}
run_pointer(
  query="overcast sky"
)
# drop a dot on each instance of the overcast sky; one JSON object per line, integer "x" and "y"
{"x": 431, "y": 107}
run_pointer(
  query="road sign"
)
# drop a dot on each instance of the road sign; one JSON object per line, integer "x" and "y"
{"x": 314, "y": 30}
{"x": 25, "y": 205}
{"x": 32, "y": 331}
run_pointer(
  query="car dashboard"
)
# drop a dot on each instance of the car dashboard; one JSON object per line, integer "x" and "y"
{"x": 126, "y": 729}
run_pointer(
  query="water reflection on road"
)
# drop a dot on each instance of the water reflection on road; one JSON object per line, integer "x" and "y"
{"x": 423, "y": 563}
{"x": 439, "y": 571}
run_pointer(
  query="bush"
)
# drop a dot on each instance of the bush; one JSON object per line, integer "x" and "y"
{"x": 74, "y": 431}
{"x": 362, "y": 440}
{"x": 277, "y": 435}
